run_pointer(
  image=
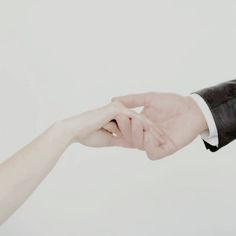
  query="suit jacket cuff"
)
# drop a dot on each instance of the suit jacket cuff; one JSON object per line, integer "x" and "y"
{"x": 221, "y": 100}
{"x": 211, "y": 135}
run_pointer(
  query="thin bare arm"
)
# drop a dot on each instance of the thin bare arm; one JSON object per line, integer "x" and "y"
{"x": 24, "y": 171}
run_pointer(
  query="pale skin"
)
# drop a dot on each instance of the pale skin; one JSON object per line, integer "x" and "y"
{"x": 167, "y": 123}
{"x": 24, "y": 171}
{"x": 177, "y": 119}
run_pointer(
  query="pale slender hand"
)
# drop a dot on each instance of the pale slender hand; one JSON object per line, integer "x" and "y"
{"x": 87, "y": 128}
{"x": 98, "y": 128}
{"x": 23, "y": 172}
{"x": 177, "y": 119}
{"x": 95, "y": 128}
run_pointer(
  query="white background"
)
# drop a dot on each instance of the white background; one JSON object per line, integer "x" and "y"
{"x": 59, "y": 58}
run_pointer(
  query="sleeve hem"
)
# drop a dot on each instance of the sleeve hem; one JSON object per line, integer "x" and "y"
{"x": 210, "y": 136}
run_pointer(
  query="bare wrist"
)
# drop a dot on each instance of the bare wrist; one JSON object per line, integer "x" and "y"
{"x": 62, "y": 130}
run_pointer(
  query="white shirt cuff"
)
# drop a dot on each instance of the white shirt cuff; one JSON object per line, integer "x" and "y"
{"x": 210, "y": 135}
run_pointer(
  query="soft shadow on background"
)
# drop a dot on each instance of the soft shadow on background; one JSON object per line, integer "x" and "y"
{"x": 59, "y": 58}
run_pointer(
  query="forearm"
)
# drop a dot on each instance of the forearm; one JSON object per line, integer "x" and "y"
{"x": 25, "y": 170}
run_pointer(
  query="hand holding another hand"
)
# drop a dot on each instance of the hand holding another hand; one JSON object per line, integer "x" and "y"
{"x": 99, "y": 128}
{"x": 167, "y": 123}
{"x": 176, "y": 119}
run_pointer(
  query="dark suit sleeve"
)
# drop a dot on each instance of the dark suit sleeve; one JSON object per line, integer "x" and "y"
{"x": 221, "y": 100}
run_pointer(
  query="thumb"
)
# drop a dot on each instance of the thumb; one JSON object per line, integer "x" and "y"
{"x": 134, "y": 100}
